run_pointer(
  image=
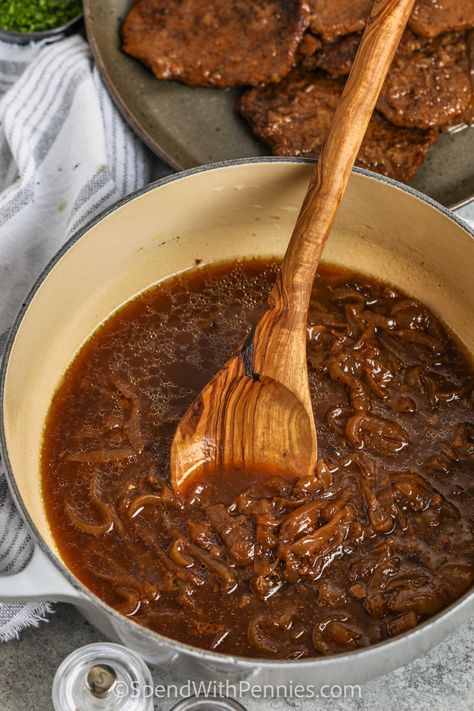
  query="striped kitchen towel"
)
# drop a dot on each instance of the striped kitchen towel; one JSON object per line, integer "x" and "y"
{"x": 65, "y": 155}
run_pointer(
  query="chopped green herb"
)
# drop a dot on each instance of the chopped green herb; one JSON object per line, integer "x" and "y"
{"x": 37, "y": 15}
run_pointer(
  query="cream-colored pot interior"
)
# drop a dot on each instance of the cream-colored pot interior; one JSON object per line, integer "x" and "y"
{"x": 220, "y": 214}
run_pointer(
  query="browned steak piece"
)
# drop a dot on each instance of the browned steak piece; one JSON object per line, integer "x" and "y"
{"x": 461, "y": 121}
{"x": 309, "y": 45}
{"x": 431, "y": 18}
{"x": 222, "y": 44}
{"x": 395, "y": 151}
{"x": 337, "y": 57}
{"x": 427, "y": 85}
{"x": 467, "y": 116}
{"x": 332, "y": 18}
{"x": 429, "y": 81}
{"x": 294, "y": 119}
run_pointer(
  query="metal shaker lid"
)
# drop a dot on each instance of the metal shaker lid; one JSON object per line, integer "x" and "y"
{"x": 100, "y": 680}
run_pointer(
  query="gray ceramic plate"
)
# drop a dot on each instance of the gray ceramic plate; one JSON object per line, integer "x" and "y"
{"x": 190, "y": 127}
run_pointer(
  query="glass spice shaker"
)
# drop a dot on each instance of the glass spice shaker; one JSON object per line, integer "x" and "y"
{"x": 103, "y": 677}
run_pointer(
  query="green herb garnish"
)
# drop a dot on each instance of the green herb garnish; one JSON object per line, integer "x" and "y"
{"x": 37, "y": 15}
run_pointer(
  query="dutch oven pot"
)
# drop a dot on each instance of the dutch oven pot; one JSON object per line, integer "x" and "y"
{"x": 222, "y": 212}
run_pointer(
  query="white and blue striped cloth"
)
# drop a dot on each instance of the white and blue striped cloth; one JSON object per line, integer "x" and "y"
{"x": 65, "y": 155}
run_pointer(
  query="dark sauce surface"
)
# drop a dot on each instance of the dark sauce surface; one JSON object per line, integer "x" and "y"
{"x": 377, "y": 541}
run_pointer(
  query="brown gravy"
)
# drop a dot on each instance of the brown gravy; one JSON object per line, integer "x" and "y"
{"x": 381, "y": 537}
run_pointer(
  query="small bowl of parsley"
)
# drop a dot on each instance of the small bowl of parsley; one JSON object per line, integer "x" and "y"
{"x": 28, "y": 20}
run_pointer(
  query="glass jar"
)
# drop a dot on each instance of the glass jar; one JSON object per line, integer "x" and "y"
{"x": 103, "y": 677}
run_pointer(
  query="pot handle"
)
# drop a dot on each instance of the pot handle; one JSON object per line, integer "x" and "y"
{"x": 39, "y": 580}
{"x": 458, "y": 209}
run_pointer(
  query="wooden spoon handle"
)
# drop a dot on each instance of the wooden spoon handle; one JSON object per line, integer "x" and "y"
{"x": 377, "y": 49}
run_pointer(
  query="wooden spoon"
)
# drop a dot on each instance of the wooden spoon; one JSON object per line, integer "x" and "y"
{"x": 256, "y": 414}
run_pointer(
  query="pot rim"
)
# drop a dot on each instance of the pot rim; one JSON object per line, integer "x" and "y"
{"x": 203, "y": 654}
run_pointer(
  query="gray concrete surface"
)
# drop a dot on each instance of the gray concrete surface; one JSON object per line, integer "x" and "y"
{"x": 442, "y": 680}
